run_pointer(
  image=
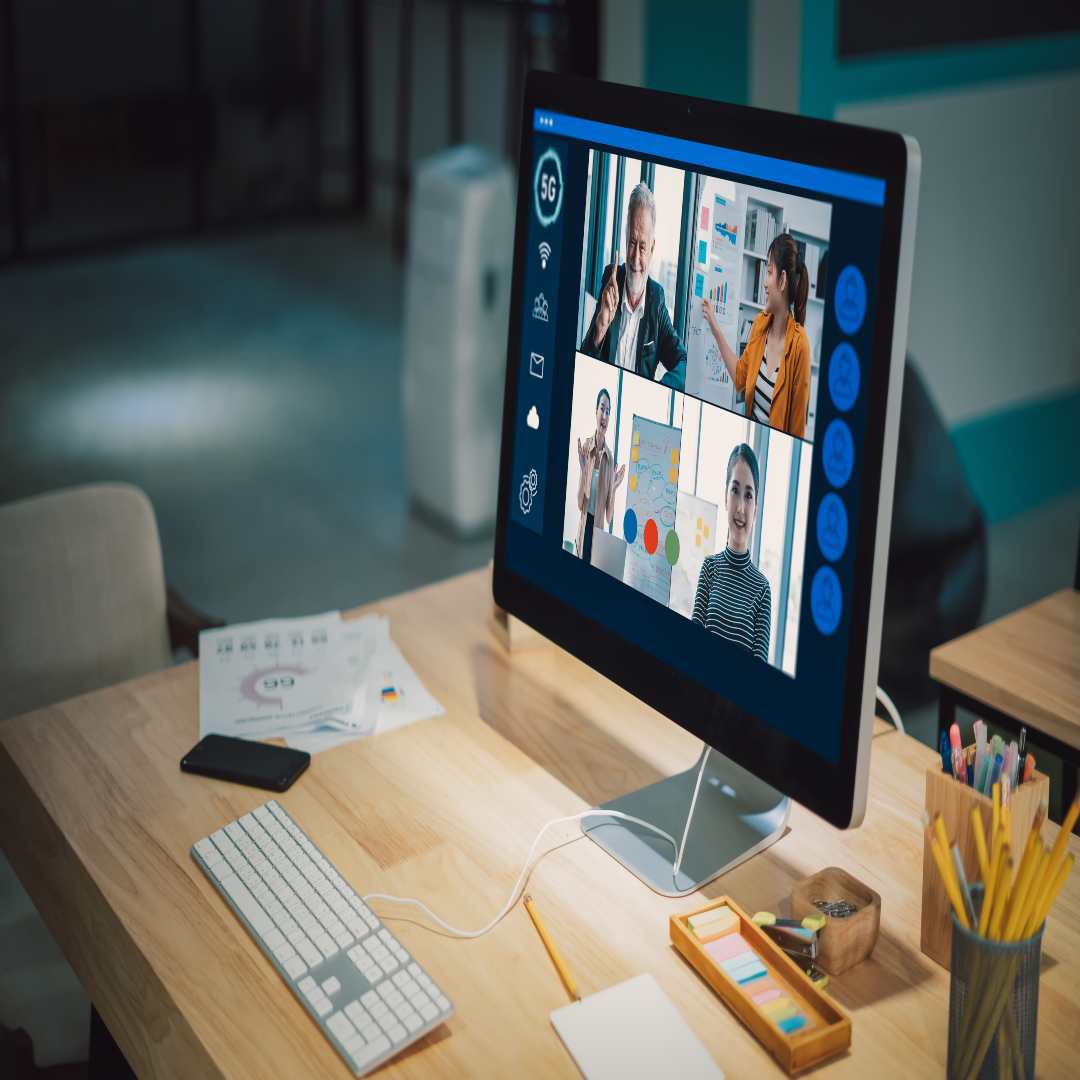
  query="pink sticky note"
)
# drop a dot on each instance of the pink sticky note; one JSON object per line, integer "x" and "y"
{"x": 726, "y": 947}
{"x": 704, "y": 223}
{"x": 766, "y": 995}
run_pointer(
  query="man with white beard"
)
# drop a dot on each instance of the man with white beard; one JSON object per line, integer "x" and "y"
{"x": 631, "y": 327}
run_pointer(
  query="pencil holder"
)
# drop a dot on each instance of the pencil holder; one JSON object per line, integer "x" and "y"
{"x": 954, "y": 801}
{"x": 993, "y": 1004}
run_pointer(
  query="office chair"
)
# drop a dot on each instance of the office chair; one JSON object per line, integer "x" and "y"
{"x": 83, "y": 604}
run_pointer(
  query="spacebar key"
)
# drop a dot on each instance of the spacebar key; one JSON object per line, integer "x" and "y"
{"x": 248, "y": 905}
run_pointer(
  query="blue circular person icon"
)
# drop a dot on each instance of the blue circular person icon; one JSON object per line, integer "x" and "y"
{"x": 832, "y": 527}
{"x": 850, "y": 299}
{"x": 826, "y": 600}
{"x": 843, "y": 376}
{"x": 838, "y": 453}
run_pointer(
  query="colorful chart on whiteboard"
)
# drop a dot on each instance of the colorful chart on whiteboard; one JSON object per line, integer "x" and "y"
{"x": 718, "y": 259}
{"x": 652, "y": 545}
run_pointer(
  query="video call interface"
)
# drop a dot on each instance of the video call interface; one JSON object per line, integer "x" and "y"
{"x": 691, "y": 403}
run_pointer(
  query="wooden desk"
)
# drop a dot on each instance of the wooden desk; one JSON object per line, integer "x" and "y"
{"x": 97, "y": 819}
{"x": 1022, "y": 669}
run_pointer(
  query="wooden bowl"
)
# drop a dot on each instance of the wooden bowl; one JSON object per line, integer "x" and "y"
{"x": 842, "y": 943}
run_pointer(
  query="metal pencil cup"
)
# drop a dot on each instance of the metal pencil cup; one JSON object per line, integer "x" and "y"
{"x": 993, "y": 1004}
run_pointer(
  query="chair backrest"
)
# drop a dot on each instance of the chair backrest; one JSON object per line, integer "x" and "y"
{"x": 82, "y": 594}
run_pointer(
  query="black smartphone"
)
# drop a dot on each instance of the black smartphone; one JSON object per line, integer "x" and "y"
{"x": 245, "y": 762}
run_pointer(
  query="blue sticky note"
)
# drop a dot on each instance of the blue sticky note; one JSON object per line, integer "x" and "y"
{"x": 793, "y": 1023}
{"x": 702, "y": 251}
{"x": 699, "y": 285}
{"x": 750, "y": 976}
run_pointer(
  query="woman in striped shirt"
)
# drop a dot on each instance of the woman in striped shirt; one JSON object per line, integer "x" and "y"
{"x": 733, "y": 596}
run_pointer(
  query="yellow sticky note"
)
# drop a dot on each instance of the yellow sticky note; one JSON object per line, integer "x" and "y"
{"x": 697, "y": 540}
{"x": 634, "y": 454}
{"x": 699, "y": 523}
{"x": 637, "y": 437}
{"x": 673, "y": 476}
{"x": 633, "y": 482}
{"x": 706, "y": 532}
{"x": 674, "y": 457}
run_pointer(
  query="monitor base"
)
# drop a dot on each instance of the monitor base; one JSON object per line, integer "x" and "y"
{"x": 736, "y": 816}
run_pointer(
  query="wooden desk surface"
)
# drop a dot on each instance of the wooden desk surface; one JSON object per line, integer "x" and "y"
{"x": 98, "y": 820}
{"x": 1026, "y": 664}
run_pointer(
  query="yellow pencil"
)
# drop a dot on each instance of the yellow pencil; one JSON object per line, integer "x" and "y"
{"x": 948, "y": 879}
{"x": 1027, "y": 906}
{"x": 1001, "y": 893}
{"x": 948, "y": 871}
{"x": 980, "y": 844}
{"x": 1050, "y": 895}
{"x": 553, "y": 952}
{"x": 990, "y": 885}
{"x": 1021, "y": 887}
{"x": 1066, "y": 829}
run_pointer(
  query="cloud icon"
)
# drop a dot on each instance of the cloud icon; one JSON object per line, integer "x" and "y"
{"x": 533, "y": 419}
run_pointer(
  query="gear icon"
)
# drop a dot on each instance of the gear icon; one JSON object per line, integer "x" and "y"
{"x": 527, "y": 492}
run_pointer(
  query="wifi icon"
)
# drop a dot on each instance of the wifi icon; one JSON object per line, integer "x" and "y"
{"x": 545, "y": 254}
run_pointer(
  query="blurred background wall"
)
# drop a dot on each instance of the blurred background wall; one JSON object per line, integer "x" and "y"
{"x": 204, "y": 214}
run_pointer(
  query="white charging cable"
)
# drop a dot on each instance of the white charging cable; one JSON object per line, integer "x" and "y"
{"x": 892, "y": 710}
{"x": 515, "y": 892}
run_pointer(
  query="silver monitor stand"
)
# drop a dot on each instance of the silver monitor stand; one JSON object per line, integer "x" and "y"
{"x": 736, "y": 815}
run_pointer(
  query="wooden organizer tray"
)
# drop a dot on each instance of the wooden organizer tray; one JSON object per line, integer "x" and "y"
{"x": 829, "y": 1031}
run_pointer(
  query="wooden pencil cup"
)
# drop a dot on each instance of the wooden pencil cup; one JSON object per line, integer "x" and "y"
{"x": 953, "y": 801}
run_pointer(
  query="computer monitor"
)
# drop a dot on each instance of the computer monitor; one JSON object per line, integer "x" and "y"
{"x": 708, "y": 323}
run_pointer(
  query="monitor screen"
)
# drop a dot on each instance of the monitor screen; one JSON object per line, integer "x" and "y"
{"x": 696, "y": 326}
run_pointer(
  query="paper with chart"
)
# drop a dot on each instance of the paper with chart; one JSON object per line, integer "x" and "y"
{"x": 388, "y": 695}
{"x": 318, "y": 675}
{"x": 716, "y": 279}
{"x": 695, "y": 523}
{"x": 258, "y": 680}
{"x": 652, "y": 544}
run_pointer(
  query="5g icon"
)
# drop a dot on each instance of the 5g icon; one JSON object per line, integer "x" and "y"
{"x": 548, "y": 187}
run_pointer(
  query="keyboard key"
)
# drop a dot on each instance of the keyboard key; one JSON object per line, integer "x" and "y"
{"x": 274, "y": 939}
{"x": 442, "y": 1002}
{"x": 412, "y": 1022}
{"x": 396, "y": 1033}
{"x": 340, "y": 1025}
{"x": 379, "y": 1010}
{"x": 369, "y": 999}
{"x": 354, "y": 1045}
{"x": 322, "y": 1006}
{"x": 307, "y": 986}
{"x": 428, "y": 1011}
{"x": 294, "y": 966}
{"x": 380, "y": 1045}
{"x": 370, "y": 1031}
{"x": 355, "y": 1012}
{"x": 331, "y": 986}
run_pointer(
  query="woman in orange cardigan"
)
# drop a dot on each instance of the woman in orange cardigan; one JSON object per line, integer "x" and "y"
{"x": 773, "y": 373}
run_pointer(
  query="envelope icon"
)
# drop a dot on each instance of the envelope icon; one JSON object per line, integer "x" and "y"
{"x": 536, "y": 365}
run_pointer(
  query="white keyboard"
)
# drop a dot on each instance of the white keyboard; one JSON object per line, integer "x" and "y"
{"x": 369, "y": 996}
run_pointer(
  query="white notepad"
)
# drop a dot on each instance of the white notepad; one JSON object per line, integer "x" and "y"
{"x": 632, "y": 1030}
